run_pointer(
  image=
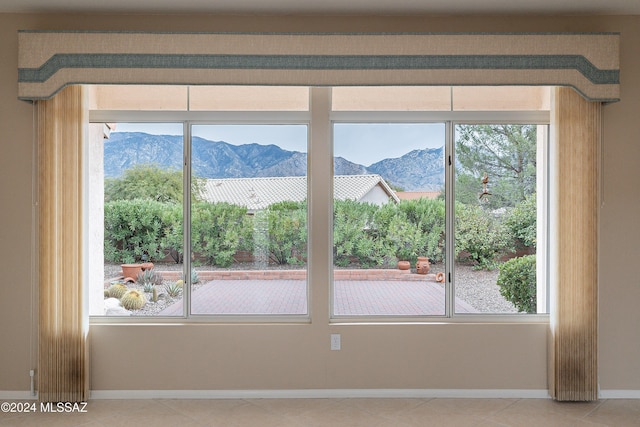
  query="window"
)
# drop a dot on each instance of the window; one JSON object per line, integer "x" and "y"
{"x": 143, "y": 219}
{"x": 217, "y": 198}
{"x": 249, "y": 220}
{"x": 469, "y": 196}
{"x": 389, "y": 208}
{"x": 496, "y": 216}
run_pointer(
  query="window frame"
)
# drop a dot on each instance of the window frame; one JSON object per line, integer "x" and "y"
{"x": 450, "y": 120}
{"x": 188, "y": 120}
{"x": 326, "y": 119}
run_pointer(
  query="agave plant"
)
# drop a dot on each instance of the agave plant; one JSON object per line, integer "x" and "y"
{"x": 174, "y": 289}
{"x": 148, "y": 279}
{"x": 194, "y": 276}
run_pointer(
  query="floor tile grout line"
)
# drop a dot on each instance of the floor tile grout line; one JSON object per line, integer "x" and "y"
{"x": 599, "y": 404}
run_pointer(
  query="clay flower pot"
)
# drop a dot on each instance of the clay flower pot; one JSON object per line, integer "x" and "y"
{"x": 423, "y": 266}
{"x": 404, "y": 265}
{"x": 130, "y": 271}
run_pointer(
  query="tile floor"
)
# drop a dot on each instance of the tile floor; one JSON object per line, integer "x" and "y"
{"x": 338, "y": 412}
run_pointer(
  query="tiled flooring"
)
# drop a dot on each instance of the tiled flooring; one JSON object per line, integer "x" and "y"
{"x": 338, "y": 413}
{"x": 287, "y": 297}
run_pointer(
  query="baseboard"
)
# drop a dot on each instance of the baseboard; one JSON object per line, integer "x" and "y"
{"x": 16, "y": 395}
{"x": 324, "y": 394}
{"x": 321, "y": 394}
{"x": 619, "y": 394}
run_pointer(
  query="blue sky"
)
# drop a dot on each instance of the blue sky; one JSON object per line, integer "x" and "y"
{"x": 362, "y": 143}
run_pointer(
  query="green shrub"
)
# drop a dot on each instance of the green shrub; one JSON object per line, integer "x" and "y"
{"x": 173, "y": 239}
{"x": 355, "y": 235}
{"x": 133, "y": 300}
{"x": 133, "y": 229}
{"x": 404, "y": 238}
{"x": 521, "y": 221}
{"x": 287, "y": 232}
{"x": 429, "y": 217}
{"x": 480, "y": 236}
{"x": 219, "y": 230}
{"x": 517, "y": 282}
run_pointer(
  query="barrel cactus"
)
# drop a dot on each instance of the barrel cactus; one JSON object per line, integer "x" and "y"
{"x": 133, "y": 300}
{"x": 117, "y": 290}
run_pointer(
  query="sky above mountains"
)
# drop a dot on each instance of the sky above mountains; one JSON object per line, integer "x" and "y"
{"x": 361, "y": 143}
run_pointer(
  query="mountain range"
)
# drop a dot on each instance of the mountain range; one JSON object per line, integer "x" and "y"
{"x": 417, "y": 170}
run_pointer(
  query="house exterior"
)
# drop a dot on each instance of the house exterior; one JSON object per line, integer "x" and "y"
{"x": 258, "y": 193}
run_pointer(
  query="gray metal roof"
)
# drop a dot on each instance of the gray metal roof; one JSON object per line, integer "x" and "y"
{"x": 258, "y": 193}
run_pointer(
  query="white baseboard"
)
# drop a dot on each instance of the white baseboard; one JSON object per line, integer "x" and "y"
{"x": 16, "y": 395}
{"x": 320, "y": 394}
{"x": 619, "y": 394}
{"x": 324, "y": 394}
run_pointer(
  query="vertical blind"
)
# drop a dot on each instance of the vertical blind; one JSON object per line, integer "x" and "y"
{"x": 574, "y": 248}
{"x": 62, "y": 333}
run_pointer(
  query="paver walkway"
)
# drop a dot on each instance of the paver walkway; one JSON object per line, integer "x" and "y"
{"x": 288, "y": 297}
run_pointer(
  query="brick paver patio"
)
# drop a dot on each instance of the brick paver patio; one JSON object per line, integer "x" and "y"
{"x": 288, "y": 297}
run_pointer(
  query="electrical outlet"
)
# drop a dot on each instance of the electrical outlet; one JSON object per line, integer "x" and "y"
{"x": 335, "y": 341}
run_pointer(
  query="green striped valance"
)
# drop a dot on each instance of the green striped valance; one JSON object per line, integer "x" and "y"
{"x": 48, "y": 61}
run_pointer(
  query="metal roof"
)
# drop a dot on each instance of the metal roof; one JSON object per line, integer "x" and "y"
{"x": 258, "y": 193}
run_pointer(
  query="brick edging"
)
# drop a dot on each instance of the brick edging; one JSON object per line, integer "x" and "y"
{"x": 340, "y": 274}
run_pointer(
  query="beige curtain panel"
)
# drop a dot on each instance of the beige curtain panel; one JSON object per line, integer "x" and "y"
{"x": 573, "y": 253}
{"x": 63, "y": 363}
{"x": 49, "y": 61}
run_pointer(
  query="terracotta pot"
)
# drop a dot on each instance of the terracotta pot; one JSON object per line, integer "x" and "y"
{"x": 423, "y": 266}
{"x": 131, "y": 270}
{"x": 147, "y": 266}
{"x": 404, "y": 265}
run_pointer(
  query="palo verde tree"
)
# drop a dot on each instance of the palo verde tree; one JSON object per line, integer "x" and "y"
{"x": 149, "y": 182}
{"x": 505, "y": 153}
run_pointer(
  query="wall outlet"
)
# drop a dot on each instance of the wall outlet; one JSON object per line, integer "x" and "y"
{"x": 335, "y": 341}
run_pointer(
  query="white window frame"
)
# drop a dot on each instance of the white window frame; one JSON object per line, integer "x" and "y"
{"x": 320, "y": 120}
{"x": 450, "y": 119}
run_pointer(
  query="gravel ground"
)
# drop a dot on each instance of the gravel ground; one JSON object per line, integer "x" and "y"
{"x": 479, "y": 288}
{"x": 476, "y": 287}
{"x": 151, "y": 308}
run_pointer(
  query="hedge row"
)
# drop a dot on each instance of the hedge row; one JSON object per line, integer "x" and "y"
{"x": 363, "y": 234}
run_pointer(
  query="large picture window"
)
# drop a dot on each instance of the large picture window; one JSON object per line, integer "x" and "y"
{"x": 208, "y": 207}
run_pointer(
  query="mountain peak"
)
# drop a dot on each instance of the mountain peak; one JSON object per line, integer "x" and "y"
{"x": 418, "y": 170}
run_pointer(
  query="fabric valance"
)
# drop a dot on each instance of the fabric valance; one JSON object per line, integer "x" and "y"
{"x": 48, "y": 61}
